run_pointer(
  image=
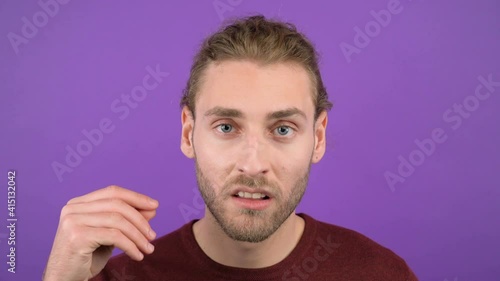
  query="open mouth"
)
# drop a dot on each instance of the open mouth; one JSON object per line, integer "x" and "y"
{"x": 253, "y": 196}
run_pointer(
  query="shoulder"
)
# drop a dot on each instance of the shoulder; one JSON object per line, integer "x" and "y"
{"x": 357, "y": 252}
{"x": 168, "y": 241}
{"x": 353, "y": 242}
{"x": 168, "y": 250}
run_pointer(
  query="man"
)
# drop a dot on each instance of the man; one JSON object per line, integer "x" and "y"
{"x": 254, "y": 117}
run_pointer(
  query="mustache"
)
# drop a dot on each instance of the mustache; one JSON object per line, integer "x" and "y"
{"x": 254, "y": 182}
{"x": 249, "y": 181}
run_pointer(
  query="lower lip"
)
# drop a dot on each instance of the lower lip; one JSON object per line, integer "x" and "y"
{"x": 254, "y": 204}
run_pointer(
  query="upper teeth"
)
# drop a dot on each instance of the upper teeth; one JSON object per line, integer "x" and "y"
{"x": 251, "y": 195}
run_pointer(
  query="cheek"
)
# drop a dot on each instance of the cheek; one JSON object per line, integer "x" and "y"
{"x": 211, "y": 153}
{"x": 294, "y": 162}
{"x": 294, "y": 169}
{"x": 213, "y": 159}
{"x": 297, "y": 154}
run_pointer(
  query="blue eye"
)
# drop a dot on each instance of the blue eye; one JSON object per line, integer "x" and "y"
{"x": 283, "y": 130}
{"x": 225, "y": 128}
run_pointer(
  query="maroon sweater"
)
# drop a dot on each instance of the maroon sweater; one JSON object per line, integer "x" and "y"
{"x": 324, "y": 252}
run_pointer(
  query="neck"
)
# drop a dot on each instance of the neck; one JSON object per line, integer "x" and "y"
{"x": 224, "y": 250}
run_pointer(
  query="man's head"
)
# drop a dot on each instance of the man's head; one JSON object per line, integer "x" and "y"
{"x": 254, "y": 118}
{"x": 262, "y": 41}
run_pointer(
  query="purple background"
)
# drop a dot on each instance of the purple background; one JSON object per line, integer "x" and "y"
{"x": 443, "y": 219}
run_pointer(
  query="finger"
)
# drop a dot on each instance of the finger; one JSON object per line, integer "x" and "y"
{"x": 136, "y": 200}
{"x": 112, "y": 205}
{"x": 148, "y": 215}
{"x": 113, "y": 237}
{"x": 114, "y": 221}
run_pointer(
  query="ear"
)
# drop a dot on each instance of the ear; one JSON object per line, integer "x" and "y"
{"x": 187, "y": 121}
{"x": 320, "y": 137}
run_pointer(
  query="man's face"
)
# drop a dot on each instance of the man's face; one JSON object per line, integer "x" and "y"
{"x": 254, "y": 136}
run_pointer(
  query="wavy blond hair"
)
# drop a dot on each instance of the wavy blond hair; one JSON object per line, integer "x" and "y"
{"x": 263, "y": 41}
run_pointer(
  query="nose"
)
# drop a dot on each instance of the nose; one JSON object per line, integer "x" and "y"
{"x": 253, "y": 159}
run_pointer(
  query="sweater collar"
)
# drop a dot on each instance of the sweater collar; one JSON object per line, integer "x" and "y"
{"x": 273, "y": 272}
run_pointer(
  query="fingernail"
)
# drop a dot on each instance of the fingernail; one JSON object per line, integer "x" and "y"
{"x": 151, "y": 247}
{"x": 153, "y": 202}
{"x": 152, "y": 233}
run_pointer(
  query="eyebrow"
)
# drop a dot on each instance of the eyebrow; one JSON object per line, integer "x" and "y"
{"x": 286, "y": 113}
{"x": 235, "y": 113}
{"x": 224, "y": 112}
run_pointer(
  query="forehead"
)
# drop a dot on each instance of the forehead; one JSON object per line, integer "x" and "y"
{"x": 248, "y": 86}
